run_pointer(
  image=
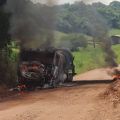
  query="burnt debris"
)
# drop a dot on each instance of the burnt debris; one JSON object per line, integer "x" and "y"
{"x": 40, "y": 67}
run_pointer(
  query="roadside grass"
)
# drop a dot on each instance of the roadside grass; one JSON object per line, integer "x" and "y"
{"x": 114, "y": 32}
{"x": 88, "y": 58}
{"x": 116, "y": 49}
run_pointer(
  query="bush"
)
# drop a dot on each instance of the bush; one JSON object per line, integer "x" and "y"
{"x": 8, "y": 70}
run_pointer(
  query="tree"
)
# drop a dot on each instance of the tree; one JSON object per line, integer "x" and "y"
{"x": 7, "y": 67}
{"x": 115, "y": 5}
{"x": 4, "y": 26}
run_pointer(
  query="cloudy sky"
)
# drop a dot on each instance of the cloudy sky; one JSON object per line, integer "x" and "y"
{"x": 72, "y": 1}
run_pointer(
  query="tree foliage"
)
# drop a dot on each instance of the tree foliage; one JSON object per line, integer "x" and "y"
{"x": 4, "y": 25}
{"x": 83, "y": 18}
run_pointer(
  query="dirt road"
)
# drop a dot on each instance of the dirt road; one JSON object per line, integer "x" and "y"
{"x": 80, "y": 102}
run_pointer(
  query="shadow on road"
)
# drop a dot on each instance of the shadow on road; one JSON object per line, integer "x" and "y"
{"x": 88, "y": 82}
{"x": 93, "y": 81}
{"x": 76, "y": 83}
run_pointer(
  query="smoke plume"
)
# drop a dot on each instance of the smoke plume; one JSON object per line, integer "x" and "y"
{"x": 31, "y": 23}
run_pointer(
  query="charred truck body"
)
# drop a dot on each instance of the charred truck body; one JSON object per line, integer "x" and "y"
{"x": 45, "y": 67}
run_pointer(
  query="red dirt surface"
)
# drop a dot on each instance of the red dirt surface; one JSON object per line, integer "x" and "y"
{"x": 73, "y": 103}
{"x": 112, "y": 93}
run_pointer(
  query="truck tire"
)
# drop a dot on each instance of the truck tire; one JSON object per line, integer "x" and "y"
{"x": 69, "y": 78}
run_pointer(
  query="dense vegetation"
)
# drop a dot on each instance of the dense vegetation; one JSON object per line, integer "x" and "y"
{"x": 4, "y": 26}
{"x": 80, "y": 17}
{"x": 7, "y": 66}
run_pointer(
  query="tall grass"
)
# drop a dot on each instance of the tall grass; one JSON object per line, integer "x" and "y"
{"x": 88, "y": 59}
{"x": 116, "y": 49}
{"x": 114, "y": 32}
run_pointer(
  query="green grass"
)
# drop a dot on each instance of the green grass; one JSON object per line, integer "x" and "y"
{"x": 114, "y": 32}
{"x": 116, "y": 49}
{"x": 91, "y": 58}
{"x": 59, "y": 35}
{"x": 88, "y": 58}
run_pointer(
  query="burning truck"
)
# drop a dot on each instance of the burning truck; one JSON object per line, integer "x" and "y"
{"x": 42, "y": 67}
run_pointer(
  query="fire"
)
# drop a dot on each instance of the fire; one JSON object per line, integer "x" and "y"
{"x": 21, "y": 88}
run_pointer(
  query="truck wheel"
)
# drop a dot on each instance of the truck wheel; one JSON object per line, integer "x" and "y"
{"x": 53, "y": 84}
{"x": 69, "y": 78}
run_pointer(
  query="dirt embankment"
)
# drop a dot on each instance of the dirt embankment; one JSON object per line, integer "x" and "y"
{"x": 69, "y": 103}
{"x": 112, "y": 93}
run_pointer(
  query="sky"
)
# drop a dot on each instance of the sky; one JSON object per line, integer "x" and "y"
{"x": 72, "y": 1}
